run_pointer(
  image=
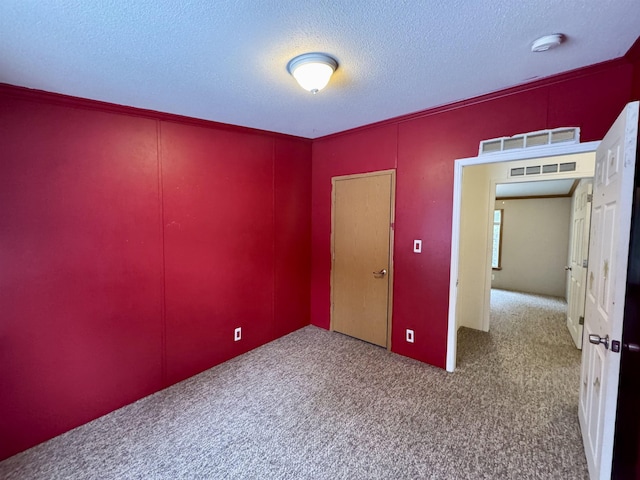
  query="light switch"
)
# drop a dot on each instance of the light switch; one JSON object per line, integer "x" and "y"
{"x": 417, "y": 246}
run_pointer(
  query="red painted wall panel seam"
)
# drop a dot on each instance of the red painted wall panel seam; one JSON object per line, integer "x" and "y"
{"x": 163, "y": 303}
{"x": 547, "y": 113}
{"x": 397, "y": 148}
{"x": 273, "y": 241}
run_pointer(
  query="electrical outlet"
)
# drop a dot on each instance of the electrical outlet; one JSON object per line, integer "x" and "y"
{"x": 237, "y": 334}
{"x": 417, "y": 246}
{"x": 410, "y": 336}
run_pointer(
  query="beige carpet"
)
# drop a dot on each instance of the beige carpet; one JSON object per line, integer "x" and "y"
{"x": 320, "y": 405}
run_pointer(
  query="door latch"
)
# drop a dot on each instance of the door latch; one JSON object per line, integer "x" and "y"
{"x": 581, "y": 321}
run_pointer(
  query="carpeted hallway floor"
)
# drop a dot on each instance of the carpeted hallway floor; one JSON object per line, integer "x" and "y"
{"x": 321, "y": 405}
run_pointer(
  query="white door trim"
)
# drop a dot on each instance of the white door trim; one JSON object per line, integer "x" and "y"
{"x": 509, "y": 156}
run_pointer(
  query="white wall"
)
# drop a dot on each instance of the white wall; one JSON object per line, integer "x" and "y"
{"x": 535, "y": 241}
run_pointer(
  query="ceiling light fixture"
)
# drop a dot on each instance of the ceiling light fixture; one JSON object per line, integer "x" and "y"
{"x": 547, "y": 42}
{"x": 312, "y": 70}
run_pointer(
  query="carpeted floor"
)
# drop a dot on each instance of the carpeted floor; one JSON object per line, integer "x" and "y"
{"x": 320, "y": 405}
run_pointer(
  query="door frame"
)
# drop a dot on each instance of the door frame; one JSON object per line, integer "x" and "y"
{"x": 392, "y": 173}
{"x": 570, "y": 277}
{"x": 459, "y": 164}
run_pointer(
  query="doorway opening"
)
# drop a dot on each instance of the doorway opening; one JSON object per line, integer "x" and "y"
{"x": 471, "y": 254}
{"x": 523, "y": 319}
{"x": 541, "y": 242}
{"x": 609, "y": 245}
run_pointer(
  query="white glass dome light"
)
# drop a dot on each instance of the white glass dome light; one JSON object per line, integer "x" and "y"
{"x": 312, "y": 70}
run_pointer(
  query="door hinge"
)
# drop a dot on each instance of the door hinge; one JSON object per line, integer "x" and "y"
{"x": 589, "y": 197}
{"x": 585, "y": 263}
{"x": 581, "y": 321}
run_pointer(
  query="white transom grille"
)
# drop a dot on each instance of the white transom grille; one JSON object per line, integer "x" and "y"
{"x": 540, "y": 138}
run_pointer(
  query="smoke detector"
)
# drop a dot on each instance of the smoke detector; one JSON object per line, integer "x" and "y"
{"x": 547, "y": 42}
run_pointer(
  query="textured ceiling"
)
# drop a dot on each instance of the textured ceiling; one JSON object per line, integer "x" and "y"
{"x": 226, "y": 60}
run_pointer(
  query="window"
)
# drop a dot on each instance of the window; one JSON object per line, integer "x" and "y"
{"x": 497, "y": 239}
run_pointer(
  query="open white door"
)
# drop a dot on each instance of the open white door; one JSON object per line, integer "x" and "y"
{"x": 606, "y": 281}
{"x": 578, "y": 259}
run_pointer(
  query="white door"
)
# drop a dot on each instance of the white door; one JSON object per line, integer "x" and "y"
{"x": 581, "y": 220}
{"x": 606, "y": 282}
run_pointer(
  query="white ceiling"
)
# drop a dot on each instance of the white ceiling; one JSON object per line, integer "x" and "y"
{"x": 225, "y": 60}
{"x": 535, "y": 188}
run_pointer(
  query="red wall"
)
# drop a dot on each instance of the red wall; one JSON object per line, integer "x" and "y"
{"x": 131, "y": 246}
{"x": 133, "y": 243}
{"x": 633, "y": 57}
{"x": 423, "y": 148}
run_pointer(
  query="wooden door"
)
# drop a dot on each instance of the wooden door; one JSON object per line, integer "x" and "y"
{"x": 361, "y": 251}
{"x": 578, "y": 259}
{"x": 606, "y": 282}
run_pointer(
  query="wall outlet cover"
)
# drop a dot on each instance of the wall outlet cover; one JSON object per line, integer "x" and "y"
{"x": 417, "y": 246}
{"x": 237, "y": 334}
{"x": 410, "y": 336}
